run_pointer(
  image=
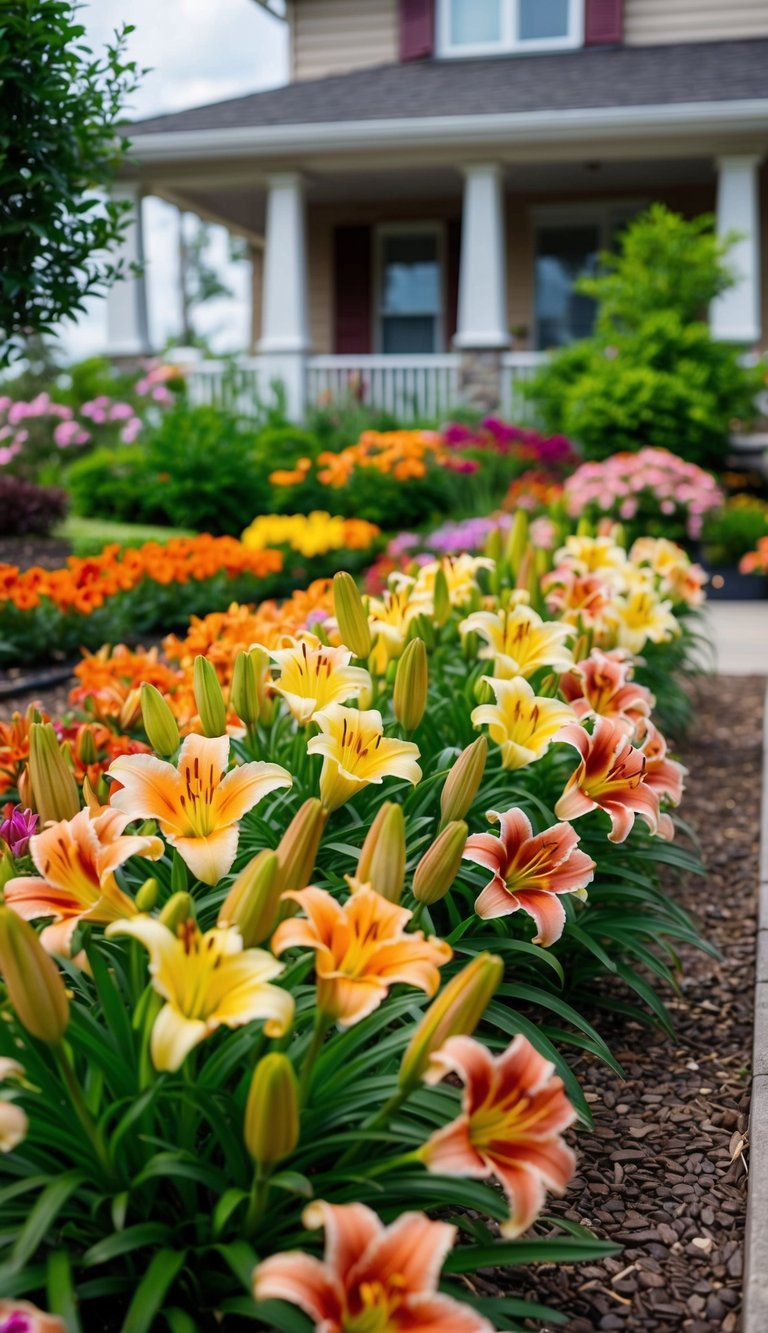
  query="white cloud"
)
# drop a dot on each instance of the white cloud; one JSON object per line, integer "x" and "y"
{"x": 199, "y": 51}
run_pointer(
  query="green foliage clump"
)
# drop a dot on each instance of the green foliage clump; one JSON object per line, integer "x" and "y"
{"x": 737, "y": 529}
{"x": 652, "y": 373}
{"x": 60, "y": 146}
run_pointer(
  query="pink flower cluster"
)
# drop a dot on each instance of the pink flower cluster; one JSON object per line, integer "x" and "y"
{"x": 650, "y": 483}
{"x": 14, "y": 435}
{"x": 154, "y": 384}
{"x": 103, "y": 411}
{"x": 503, "y": 438}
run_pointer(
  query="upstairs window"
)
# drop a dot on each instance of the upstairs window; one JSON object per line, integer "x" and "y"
{"x": 492, "y": 27}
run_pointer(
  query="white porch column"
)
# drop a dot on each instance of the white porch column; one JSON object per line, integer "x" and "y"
{"x": 127, "y": 324}
{"x": 284, "y": 331}
{"x": 483, "y": 323}
{"x": 735, "y": 314}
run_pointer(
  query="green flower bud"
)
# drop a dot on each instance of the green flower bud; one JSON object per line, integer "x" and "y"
{"x": 146, "y": 896}
{"x": 463, "y": 782}
{"x": 178, "y": 909}
{"x": 409, "y": 698}
{"x": 382, "y": 860}
{"x": 54, "y": 790}
{"x": 441, "y": 597}
{"x": 209, "y": 698}
{"x": 517, "y": 541}
{"x": 440, "y": 864}
{"x": 159, "y": 722}
{"x": 455, "y": 1011}
{"x": 253, "y": 902}
{"x": 247, "y": 695}
{"x": 32, "y": 979}
{"x": 351, "y": 615}
{"x": 271, "y": 1127}
{"x": 297, "y": 849}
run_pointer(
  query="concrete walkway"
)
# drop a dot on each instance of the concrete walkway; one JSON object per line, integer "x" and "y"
{"x": 739, "y": 631}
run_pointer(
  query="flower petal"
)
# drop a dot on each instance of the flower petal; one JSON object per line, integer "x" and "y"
{"x": 208, "y": 858}
{"x": 244, "y": 787}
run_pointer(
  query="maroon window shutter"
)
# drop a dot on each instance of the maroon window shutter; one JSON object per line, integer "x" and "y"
{"x": 352, "y": 290}
{"x": 602, "y": 22}
{"x": 417, "y": 29}
{"x": 453, "y": 248}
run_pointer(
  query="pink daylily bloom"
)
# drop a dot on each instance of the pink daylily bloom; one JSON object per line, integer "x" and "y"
{"x": 529, "y": 872}
{"x": 610, "y": 777}
{"x": 372, "y": 1279}
{"x": 666, "y": 776}
{"x": 601, "y": 686}
{"x": 513, "y": 1113}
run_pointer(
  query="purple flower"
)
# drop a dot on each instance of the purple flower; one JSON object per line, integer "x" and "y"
{"x": 16, "y": 1323}
{"x": 16, "y": 831}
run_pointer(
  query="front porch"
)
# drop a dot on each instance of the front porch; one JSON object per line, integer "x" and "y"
{"x": 417, "y": 287}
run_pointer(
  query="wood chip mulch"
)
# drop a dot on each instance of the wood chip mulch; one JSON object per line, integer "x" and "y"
{"x": 664, "y": 1172}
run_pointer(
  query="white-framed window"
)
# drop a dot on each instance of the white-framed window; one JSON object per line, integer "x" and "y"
{"x": 409, "y": 287}
{"x": 568, "y": 240}
{"x": 492, "y": 27}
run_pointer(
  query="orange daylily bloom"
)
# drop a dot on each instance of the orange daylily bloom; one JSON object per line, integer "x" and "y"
{"x": 373, "y": 1279}
{"x": 198, "y": 805}
{"x": 77, "y": 859}
{"x": 601, "y": 686}
{"x": 514, "y": 1111}
{"x": 610, "y": 777}
{"x": 361, "y": 950}
{"x": 529, "y": 872}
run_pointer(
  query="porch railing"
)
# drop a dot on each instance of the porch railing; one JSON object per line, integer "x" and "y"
{"x": 411, "y": 388}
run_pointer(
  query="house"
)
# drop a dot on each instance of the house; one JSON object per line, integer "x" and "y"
{"x": 423, "y": 193}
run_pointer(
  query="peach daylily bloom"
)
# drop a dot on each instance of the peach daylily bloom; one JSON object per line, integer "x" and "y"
{"x": 519, "y": 641}
{"x": 530, "y": 871}
{"x": 13, "y": 1126}
{"x": 313, "y": 676}
{"x": 522, "y": 723}
{"x": 601, "y": 686}
{"x": 199, "y": 804}
{"x": 372, "y": 1279}
{"x": 77, "y": 859}
{"x": 577, "y": 599}
{"x": 514, "y": 1111}
{"x": 356, "y": 752}
{"x": 207, "y": 981}
{"x": 610, "y": 777}
{"x": 664, "y": 775}
{"x": 362, "y": 949}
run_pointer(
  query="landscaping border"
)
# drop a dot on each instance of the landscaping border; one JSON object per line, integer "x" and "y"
{"x": 756, "y": 1241}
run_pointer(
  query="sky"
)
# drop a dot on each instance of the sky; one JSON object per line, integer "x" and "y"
{"x": 196, "y": 51}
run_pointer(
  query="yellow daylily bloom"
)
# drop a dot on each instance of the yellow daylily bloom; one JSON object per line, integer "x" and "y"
{"x": 460, "y": 572}
{"x": 199, "y": 804}
{"x": 356, "y": 752}
{"x": 207, "y": 981}
{"x": 519, "y": 641}
{"x": 522, "y": 723}
{"x": 313, "y": 676}
{"x": 390, "y": 617}
{"x": 639, "y": 617}
{"x": 592, "y": 555}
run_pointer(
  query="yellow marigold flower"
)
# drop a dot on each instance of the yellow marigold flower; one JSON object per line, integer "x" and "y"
{"x": 522, "y": 723}
{"x": 207, "y": 981}
{"x": 519, "y": 641}
{"x": 356, "y": 752}
{"x": 313, "y": 676}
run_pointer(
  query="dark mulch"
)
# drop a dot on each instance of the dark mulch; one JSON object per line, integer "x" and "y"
{"x": 663, "y": 1172}
{"x": 48, "y": 552}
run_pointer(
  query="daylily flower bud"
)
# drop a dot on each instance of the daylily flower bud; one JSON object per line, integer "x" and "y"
{"x": 297, "y": 849}
{"x": 131, "y": 709}
{"x": 382, "y": 860}
{"x": 159, "y": 723}
{"x": 409, "y": 699}
{"x": 494, "y": 546}
{"x": 253, "y": 901}
{"x": 351, "y": 614}
{"x": 85, "y": 746}
{"x": 271, "y": 1126}
{"x": 421, "y": 627}
{"x": 32, "y": 979}
{"x": 7, "y": 866}
{"x": 54, "y": 789}
{"x": 584, "y": 527}
{"x": 247, "y": 693}
{"x": 146, "y": 896}
{"x": 441, "y": 598}
{"x": 517, "y": 541}
{"x": 209, "y": 698}
{"x": 455, "y": 1012}
{"x": 463, "y": 782}
{"x": 24, "y": 788}
{"x": 178, "y": 909}
{"x": 440, "y": 864}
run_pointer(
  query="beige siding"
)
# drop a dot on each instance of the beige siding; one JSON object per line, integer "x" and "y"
{"x": 335, "y": 36}
{"x": 652, "y": 22}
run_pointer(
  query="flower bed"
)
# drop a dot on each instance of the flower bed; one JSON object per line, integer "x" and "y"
{"x": 271, "y": 971}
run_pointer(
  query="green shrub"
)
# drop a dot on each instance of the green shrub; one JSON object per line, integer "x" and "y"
{"x": 738, "y": 528}
{"x": 652, "y": 373}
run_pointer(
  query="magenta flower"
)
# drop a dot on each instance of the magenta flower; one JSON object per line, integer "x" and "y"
{"x": 17, "y": 829}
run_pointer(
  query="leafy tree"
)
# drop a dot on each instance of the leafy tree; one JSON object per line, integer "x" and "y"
{"x": 199, "y": 280}
{"x": 61, "y": 145}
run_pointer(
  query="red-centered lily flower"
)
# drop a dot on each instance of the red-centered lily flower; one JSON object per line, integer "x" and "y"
{"x": 529, "y": 872}
{"x": 199, "y": 804}
{"x": 610, "y": 777}
{"x": 77, "y": 859}
{"x": 361, "y": 949}
{"x": 373, "y": 1279}
{"x": 514, "y": 1110}
{"x": 666, "y": 776}
{"x": 600, "y": 686}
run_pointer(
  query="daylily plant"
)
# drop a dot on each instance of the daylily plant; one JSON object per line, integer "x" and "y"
{"x": 521, "y": 723}
{"x": 313, "y": 676}
{"x": 611, "y": 777}
{"x": 356, "y": 752}
{"x": 519, "y": 641}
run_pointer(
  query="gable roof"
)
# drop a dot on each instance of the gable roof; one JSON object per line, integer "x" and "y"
{"x": 597, "y": 77}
